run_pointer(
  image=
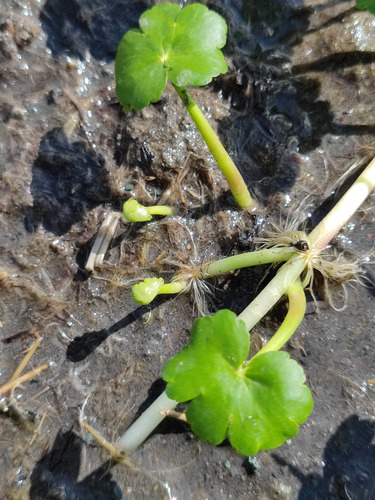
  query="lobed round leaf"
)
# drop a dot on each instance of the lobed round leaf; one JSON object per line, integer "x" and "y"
{"x": 257, "y": 404}
{"x": 180, "y": 44}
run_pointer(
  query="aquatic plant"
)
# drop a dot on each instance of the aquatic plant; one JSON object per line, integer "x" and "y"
{"x": 182, "y": 46}
{"x": 235, "y": 397}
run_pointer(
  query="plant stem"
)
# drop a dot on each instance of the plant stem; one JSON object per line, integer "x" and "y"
{"x": 160, "y": 210}
{"x": 179, "y": 284}
{"x": 273, "y": 292}
{"x": 297, "y": 307}
{"x": 286, "y": 281}
{"x": 173, "y": 287}
{"x": 145, "y": 424}
{"x": 248, "y": 259}
{"x": 323, "y": 233}
{"x": 235, "y": 180}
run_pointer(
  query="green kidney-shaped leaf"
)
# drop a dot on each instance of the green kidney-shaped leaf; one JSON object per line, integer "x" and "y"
{"x": 257, "y": 405}
{"x": 182, "y": 45}
{"x": 366, "y": 5}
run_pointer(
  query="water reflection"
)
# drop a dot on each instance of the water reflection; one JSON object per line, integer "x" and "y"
{"x": 277, "y": 113}
{"x": 93, "y": 26}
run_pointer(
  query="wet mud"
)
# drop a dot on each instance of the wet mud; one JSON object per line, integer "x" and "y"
{"x": 295, "y": 111}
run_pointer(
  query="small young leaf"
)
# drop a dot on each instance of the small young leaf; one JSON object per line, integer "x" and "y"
{"x": 143, "y": 293}
{"x": 366, "y": 5}
{"x": 182, "y": 45}
{"x": 258, "y": 404}
{"x": 135, "y": 212}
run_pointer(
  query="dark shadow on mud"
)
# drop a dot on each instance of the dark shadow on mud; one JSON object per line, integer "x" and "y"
{"x": 241, "y": 289}
{"x": 349, "y": 458}
{"x": 266, "y": 123}
{"x": 337, "y": 61}
{"x": 276, "y": 113}
{"x": 95, "y": 27}
{"x": 321, "y": 120}
{"x": 264, "y": 131}
{"x": 334, "y": 20}
{"x": 268, "y": 28}
{"x": 81, "y": 347}
{"x": 55, "y": 476}
{"x": 68, "y": 180}
{"x": 370, "y": 277}
{"x": 326, "y": 205}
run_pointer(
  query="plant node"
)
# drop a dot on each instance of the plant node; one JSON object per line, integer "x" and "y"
{"x": 335, "y": 268}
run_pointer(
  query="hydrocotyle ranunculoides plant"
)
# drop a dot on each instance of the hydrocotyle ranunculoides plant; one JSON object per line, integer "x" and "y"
{"x": 223, "y": 362}
{"x": 182, "y": 46}
{"x": 257, "y": 404}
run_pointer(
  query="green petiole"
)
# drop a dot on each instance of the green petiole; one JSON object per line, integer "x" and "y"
{"x": 235, "y": 180}
{"x": 144, "y": 292}
{"x": 174, "y": 287}
{"x": 161, "y": 210}
{"x": 248, "y": 259}
{"x": 296, "y": 312}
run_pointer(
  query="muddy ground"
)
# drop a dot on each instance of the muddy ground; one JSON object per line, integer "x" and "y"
{"x": 295, "y": 110}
